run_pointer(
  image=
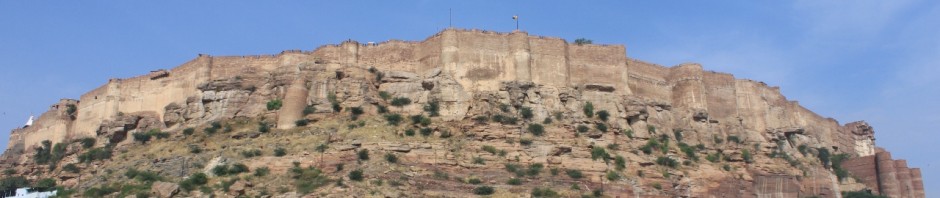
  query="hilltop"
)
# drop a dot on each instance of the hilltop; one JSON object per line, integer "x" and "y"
{"x": 461, "y": 113}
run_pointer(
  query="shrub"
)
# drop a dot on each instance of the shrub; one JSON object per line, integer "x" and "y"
{"x": 574, "y": 174}
{"x": 144, "y": 176}
{"x": 189, "y": 131}
{"x": 72, "y": 168}
{"x": 280, "y": 152}
{"x": 603, "y": 115}
{"x": 391, "y": 158}
{"x": 142, "y": 137}
{"x": 306, "y": 180}
{"x": 599, "y": 153}
{"x": 734, "y": 139}
{"x": 483, "y": 190}
{"x": 547, "y": 120}
{"x": 416, "y": 119}
{"x": 717, "y": 139}
{"x": 588, "y": 109}
{"x": 583, "y": 41}
{"x": 651, "y": 128}
{"x": 302, "y": 122}
{"x": 613, "y": 146}
{"x": 544, "y": 192}
{"x": 629, "y": 133}
{"x": 385, "y": 95}
{"x": 446, "y": 134}
{"x": 393, "y": 119}
{"x": 433, "y": 108}
{"x": 666, "y": 161}
{"x": 713, "y": 157}
{"x": 400, "y": 102}
{"x": 746, "y": 155}
{"x": 474, "y": 181}
{"x": 657, "y": 186}
{"x": 504, "y": 108}
{"x": 508, "y": 120}
{"x": 489, "y": 149}
{"x": 88, "y": 142}
{"x": 251, "y": 153}
{"x": 356, "y": 111}
{"x": 194, "y": 181}
{"x": 355, "y": 175}
{"x": 481, "y": 119}
{"x": 678, "y": 134}
{"x": 262, "y": 171}
{"x": 613, "y": 176}
{"x": 823, "y": 156}
{"x": 336, "y": 107}
{"x": 514, "y": 181}
{"x": 802, "y": 148}
{"x": 689, "y": 151}
{"x": 620, "y": 163}
{"x": 44, "y": 184}
{"x": 601, "y": 127}
{"x": 525, "y": 142}
{"x": 536, "y": 129}
{"x": 410, "y": 132}
{"x": 510, "y": 167}
{"x": 99, "y": 192}
{"x": 479, "y": 160}
{"x": 582, "y": 128}
{"x": 363, "y": 154}
{"x": 275, "y": 104}
{"x": 194, "y": 149}
{"x": 534, "y": 169}
{"x": 309, "y": 109}
{"x": 95, "y": 154}
{"x": 426, "y": 132}
{"x": 526, "y": 113}
{"x": 210, "y": 130}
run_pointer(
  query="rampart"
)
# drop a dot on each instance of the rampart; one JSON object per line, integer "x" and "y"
{"x": 886, "y": 176}
{"x": 477, "y": 60}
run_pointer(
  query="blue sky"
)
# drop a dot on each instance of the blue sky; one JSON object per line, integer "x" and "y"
{"x": 867, "y": 60}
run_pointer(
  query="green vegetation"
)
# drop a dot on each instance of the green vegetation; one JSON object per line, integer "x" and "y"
{"x": 823, "y": 156}
{"x": 309, "y": 109}
{"x": 478, "y": 160}
{"x": 837, "y": 160}
{"x": 194, "y": 149}
{"x": 678, "y": 134}
{"x": 603, "y": 115}
{"x": 251, "y": 153}
{"x": 689, "y": 151}
{"x": 507, "y": 120}
{"x": 275, "y": 104}
{"x": 484, "y": 190}
{"x": 734, "y": 139}
{"x": 426, "y": 132}
{"x": 547, "y": 120}
{"x": 72, "y": 168}
{"x": 302, "y": 122}
{"x": 489, "y": 149}
{"x": 363, "y": 154}
{"x": 860, "y": 194}
{"x": 525, "y": 142}
{"x": 746, "y": 155}
{"x": 536, "y": 129}
{"x": 544, "y": 192}
{"x": 144, "y": 137}
{"x": 583, "y": 41}
{"x": 262, "y": 171}
{"x": 306, "y": 180}
{"x": 87, "y": 142}
{"x": 802, "y": 148}
{"x": 620, "y": 163}
{"x": 657, "y": 186}
{"x": 355, "y": 112}
{"x": 224, "y": 170}
{"x": 534, "y": 169}
{"x": 400, "y": 102}
{"x": 385, "y": 95}
{"x": 613, "y": 176}
{"x": 409, "y": 132}
{"x": 713, "y": 157}
{"x": 588, "y": 109}
{"x": 143, "y": 176}
{"x": 280, "y": 152}
{"x": 391, "y": 158}
{"x": 95, "y": 154}
{"x": 651, "y": 128}
{"x": 574, "y": 174}
{"x": 481, "y": 119}
{"x": 599, "y": 153}
{"x": 474, "y": 181}
{"x": 601, "y": 127}
{"x": 393, "y": 119}
{"x": 514, "y": 181}
{"x": 666, "y": 161}
{"x": 194, "y": 181}
{"x": 526, "y": 113}
{"x": 504, "y": 108}
{"x": 189, "y": 131}
{"x": 355, "y": 175}
{"x": 582, "y": 128}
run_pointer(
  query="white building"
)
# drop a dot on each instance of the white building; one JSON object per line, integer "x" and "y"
{"x": 24, "y": 193}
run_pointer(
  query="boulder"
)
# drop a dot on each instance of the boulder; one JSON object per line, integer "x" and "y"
{"x": 164, "y": 189}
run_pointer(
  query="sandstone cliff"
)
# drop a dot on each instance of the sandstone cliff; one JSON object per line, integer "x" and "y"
{"x": 492, "y": 101}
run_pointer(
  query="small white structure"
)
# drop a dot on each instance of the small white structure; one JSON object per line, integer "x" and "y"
{"x": 29, "y": 122}
{"x": 24, "y": 193}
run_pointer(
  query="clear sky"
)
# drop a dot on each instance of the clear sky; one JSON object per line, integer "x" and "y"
{"x": 870, "y": 60}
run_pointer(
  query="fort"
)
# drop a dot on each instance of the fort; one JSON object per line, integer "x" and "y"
{"x": 481, "y": 61}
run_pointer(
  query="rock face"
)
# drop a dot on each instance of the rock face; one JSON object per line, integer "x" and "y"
{"x": 758, "y": 143}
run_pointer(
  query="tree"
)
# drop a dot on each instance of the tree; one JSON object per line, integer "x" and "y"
{"x": 322, "y": 149}
{"x": 526, "y": 113}
{"x": 401, "y": 102}
{"x": 603, "y": 115}
{"x": 583, "y": 41}
{"x": 536, "y": 129}
{"x": 588, "y": 109}
{"x": 275, "y": 104}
